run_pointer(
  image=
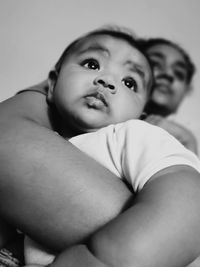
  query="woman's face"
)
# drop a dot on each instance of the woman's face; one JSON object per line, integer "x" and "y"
{"x": 170, "y": 73}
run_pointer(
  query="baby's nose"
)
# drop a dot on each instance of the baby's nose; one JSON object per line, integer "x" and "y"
{"x": 107, "y": 83}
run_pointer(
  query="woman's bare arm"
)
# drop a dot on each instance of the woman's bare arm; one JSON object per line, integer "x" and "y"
{"x": 51, "y": 190}
{"x": 162, "y": 228}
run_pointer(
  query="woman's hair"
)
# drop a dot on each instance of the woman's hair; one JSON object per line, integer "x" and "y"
{"x": 145, "y": 44}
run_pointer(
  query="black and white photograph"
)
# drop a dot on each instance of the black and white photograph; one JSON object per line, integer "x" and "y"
{"x": 99, "y": 133}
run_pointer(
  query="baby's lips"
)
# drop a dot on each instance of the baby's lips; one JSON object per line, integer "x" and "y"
{"x": 94, "y": 102}
{"x": 99, "y": 96}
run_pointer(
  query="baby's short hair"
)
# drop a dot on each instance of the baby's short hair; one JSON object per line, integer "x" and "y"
{"x": 146, "y": 44}
{"x": 111, "y": 30}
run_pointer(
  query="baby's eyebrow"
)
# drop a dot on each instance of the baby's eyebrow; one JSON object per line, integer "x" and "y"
{"x": 134, "y": 67}
{"x": 94, "y": 48}
{"x": 139, "y": 69}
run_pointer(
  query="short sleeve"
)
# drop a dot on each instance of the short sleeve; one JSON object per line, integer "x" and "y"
{"x": 135, "y": 150}
{"x": 147, "y": 149}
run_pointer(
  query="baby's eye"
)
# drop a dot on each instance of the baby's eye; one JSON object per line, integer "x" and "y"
{"x": 130, "y": 83}
{"x": 91, "y": 63}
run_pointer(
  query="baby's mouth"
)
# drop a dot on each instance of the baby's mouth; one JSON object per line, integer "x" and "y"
{"x": 96, "y": 100}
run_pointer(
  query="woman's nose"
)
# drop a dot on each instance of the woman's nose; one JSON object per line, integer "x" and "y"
{"x": 166, "y": 76}
{"x": 166, "y": 73}
{"x": 106, "y": 82}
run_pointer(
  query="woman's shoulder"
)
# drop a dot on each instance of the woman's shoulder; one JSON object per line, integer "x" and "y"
{"x": 41, "y": 87}
{"x": 29, "y": 104}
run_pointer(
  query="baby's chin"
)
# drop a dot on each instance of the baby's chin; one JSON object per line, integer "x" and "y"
{"x": 89, "y": 124}
{"x": 80, "y": 127}
{"x": 91, "y": 129}
{"x": 92, "y": 124}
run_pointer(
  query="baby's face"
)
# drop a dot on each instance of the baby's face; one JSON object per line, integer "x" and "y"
{"x": 104, "y": 82}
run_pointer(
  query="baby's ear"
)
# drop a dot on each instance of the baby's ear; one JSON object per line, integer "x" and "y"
{"x": 52, "y": 79}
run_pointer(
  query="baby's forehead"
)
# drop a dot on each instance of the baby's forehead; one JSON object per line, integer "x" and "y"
{"x": 92, "y": 41}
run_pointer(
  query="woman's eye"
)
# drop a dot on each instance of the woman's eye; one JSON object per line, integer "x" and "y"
{"x": 91, "y": 64}
{"x": 155, "y": 64}
{"x": 180, "y": 75}
{"x": 130, "y": 83}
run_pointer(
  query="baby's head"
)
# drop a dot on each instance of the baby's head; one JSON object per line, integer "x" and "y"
{"x": 102, "y": 78}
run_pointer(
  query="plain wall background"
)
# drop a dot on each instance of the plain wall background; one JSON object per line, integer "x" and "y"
{"x": 33, "y": 34}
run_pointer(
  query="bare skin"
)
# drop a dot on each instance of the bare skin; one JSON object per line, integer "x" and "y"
{"x": 41, "y": 146}
{"x": 54, "y": 165}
